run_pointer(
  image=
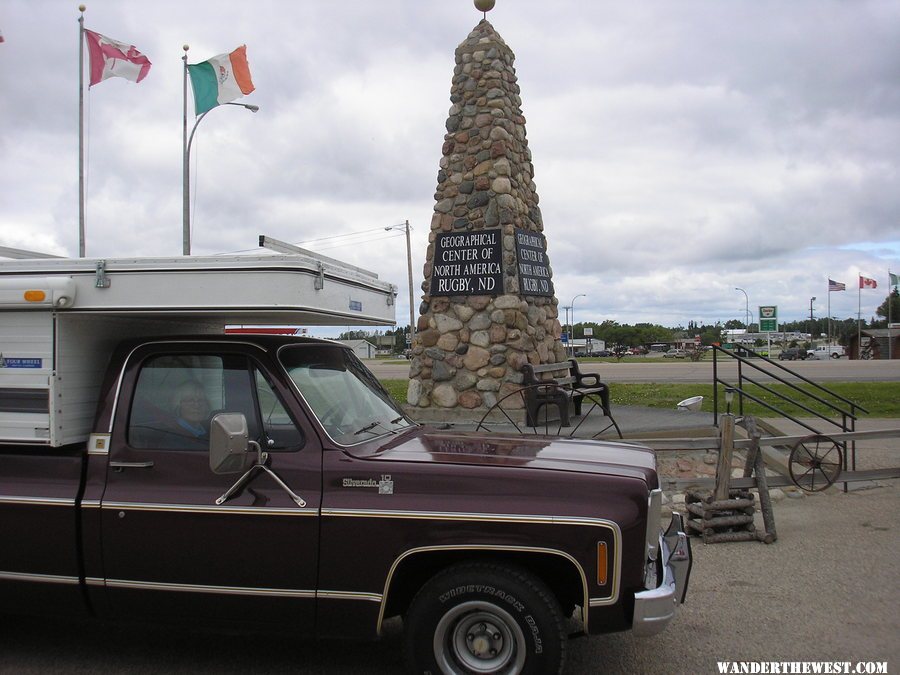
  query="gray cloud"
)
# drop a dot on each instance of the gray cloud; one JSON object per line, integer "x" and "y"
{"x": 680, "y": 149}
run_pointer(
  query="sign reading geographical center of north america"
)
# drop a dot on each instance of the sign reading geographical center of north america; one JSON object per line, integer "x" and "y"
{"x": 467, "y": 263}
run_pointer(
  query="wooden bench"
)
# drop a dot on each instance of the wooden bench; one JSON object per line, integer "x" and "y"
{"x": 556, "y": 384}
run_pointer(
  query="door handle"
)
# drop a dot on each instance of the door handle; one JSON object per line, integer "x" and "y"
{"x": 118, "y": 466}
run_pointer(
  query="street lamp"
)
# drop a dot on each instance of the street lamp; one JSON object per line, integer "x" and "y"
{"x": 572, "y": 337}
{"x": 746, "y": 307}
{"x": 186, "y": 160}
{"x": 405, "y": 227}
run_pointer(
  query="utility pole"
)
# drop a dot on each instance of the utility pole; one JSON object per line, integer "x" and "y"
{"x": 405, "y": 227}
{"x": 811, "y": 324}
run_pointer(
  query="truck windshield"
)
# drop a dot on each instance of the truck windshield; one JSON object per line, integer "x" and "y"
{"x": 348, "y": 401}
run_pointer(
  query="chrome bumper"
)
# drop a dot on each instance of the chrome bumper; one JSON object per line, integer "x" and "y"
{"x": 654, "y": 609}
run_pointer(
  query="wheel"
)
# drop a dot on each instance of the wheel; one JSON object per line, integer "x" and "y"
{"x": 484, "y": 618}
{"x": 815, "y": 462}
{"x": 512, "y": 406}
{"x": 835, "y": 355}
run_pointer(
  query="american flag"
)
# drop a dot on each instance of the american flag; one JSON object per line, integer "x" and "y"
{"x": 836, "y": 286}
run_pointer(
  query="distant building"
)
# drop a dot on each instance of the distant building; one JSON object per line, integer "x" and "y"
{"x": 879, "y": 343}
{"x": 741, "y": 336}
{"x": 362, "y": 348}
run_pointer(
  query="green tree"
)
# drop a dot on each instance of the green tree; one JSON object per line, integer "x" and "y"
{"x": 890, "y": 308}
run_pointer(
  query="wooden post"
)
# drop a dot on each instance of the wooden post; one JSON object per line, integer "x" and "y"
{"x": 762, "y": 483}
{"x": 726, "y": 450}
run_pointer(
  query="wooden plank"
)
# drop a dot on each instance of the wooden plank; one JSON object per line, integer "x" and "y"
{"x": 711, "y": 443}
{"x": 778, "y": 481}
{"x": 848, "y": 436}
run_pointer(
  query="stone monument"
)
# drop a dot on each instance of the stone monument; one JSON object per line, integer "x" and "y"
{"x": 488, "y": 304}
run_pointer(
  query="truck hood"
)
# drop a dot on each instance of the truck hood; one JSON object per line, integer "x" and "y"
{"x": 540, "y": 452}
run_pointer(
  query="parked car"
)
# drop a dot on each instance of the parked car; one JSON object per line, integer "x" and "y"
{"x": 826, "y": 351}
{"x": 675, "y": 354}
{"x": 792, "y": 354}
{"x": 600, "y": 353}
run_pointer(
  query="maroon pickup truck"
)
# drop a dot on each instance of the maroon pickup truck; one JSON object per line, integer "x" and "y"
{"x": 271, "y": 481}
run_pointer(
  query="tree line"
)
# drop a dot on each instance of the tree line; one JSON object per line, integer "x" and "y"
{"x": 615, "y": 333}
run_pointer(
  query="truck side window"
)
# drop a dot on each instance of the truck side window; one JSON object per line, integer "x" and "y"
{"x": 280, "y": 431}
{"x": 177, "y": 395}
{"x": 174, "y": 399}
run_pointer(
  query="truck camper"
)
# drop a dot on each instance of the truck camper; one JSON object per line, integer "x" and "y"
{"x": 154, "y": 468}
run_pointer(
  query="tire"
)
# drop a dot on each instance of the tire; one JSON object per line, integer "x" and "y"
{"x": 484, "y": 618}
{"x": 835, "y": 355}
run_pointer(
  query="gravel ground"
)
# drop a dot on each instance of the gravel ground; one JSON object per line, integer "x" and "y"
{"x": 827, "y": 590}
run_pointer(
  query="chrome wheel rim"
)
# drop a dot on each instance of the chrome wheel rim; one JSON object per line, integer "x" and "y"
{"x": 479, "y": 637}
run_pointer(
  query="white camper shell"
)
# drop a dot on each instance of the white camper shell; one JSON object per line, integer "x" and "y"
{"x": 61, "y": 318}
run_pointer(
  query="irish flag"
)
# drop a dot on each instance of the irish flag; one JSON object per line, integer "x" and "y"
{"x": 221, "y": 79}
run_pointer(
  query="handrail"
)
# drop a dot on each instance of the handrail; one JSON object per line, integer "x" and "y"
{"x": 846, "y": 416}
{"x": 783, "y": 397}
{"x": 741, "y": 393}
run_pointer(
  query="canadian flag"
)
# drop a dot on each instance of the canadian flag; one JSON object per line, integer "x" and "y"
{"x": 866, "y": 282}
{"x": 111, "y": 58}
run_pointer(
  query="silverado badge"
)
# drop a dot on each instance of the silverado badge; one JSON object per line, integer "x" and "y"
{"x": 385, "y": 485}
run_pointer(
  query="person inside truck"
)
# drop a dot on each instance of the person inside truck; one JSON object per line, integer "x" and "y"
{"x": 191, "y": 407}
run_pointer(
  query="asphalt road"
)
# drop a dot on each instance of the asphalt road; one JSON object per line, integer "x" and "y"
{"x": 830, "y": 370}
{"x": 827, "y": 590}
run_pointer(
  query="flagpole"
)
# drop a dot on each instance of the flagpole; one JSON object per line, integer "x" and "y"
{"x": 890, "y": 302}
{"x": 859, "y": 315}
{"x": 185, "y": 170}
{"x": 829, "y": 313}
{"x": 81, "y": 9}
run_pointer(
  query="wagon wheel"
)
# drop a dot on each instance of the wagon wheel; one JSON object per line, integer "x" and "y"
{"x": 512, "y": 406}
{"x": 815, "y": 462}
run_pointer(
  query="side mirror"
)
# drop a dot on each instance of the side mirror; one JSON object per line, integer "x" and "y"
{"x": 229, "y": 444}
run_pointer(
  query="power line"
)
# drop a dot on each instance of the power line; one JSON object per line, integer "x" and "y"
{"x": 362, "y": 241}
{"x": 336, "y": 236}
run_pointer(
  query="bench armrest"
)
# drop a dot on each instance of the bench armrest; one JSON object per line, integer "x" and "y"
{"x": 583, "y": 379}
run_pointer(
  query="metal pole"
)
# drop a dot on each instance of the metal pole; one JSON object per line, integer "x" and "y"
{"x": 572, "y": 336}
{"x": 746, "y": 307}
{"x": 890, "y": 303}
{"x": 811, "y": 342}
{"x": 187, "y": 160}
{"x": 409, "y": 271}
{"x": 81, "y": 8}
{"x": 185, "y": 166}
{"x": 859, "y": 318}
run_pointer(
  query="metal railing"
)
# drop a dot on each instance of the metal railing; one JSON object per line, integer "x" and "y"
{"x": 800, "y": 397}
{"x": 847, "y": 412}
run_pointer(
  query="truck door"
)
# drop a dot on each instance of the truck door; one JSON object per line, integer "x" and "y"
{"x": 168, "y": 549}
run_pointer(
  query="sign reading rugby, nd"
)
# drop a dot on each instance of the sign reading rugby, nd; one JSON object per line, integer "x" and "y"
{"x": 534, "y": 265}
{"x": 467, "y": 263}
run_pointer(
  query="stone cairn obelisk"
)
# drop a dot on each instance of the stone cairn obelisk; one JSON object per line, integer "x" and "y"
{"x": 488, "y": 305}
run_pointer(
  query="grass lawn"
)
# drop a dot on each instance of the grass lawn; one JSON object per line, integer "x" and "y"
{"x": 881, "y": 399}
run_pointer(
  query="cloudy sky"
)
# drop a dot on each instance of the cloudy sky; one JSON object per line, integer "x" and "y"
{"x": 681, "y": 149}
